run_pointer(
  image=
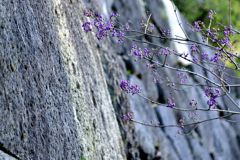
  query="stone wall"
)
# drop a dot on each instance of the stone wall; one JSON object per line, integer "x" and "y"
{"x": 53, "y": 94}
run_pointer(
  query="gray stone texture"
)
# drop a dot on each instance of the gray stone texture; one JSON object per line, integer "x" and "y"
{"x": 54, "y": 98}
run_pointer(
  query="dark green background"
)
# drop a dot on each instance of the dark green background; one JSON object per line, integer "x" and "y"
{"x": 199, "y": 9}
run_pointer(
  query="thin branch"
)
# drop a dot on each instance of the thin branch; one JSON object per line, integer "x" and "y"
{"x": 191, "y": 130}
{"x": 175, "y": 125}
{"x": 230, "y": 12}
{"x": 175, "y": 11}
{"x": 178, "y": 55}
{"x": 230, "y": 98}
{"x": 164, "y": 63}
{"x": 181, "y": 69}
{"x": 188, "y": 110}
{"x": 147, "y": 24}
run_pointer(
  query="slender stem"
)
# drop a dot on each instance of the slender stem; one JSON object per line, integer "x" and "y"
{"x": 191, "y": 130}
{"x": 177, "y": 125}
{"x": 230, "y": 98}
{"x": 188, "y": 110}
{"x": 175, "y": 11}
{"x": 147, "y": 24}
{"x": 164, "y": 63}
{"x": 185, "y": 59}
{"x": 230, "y": 12}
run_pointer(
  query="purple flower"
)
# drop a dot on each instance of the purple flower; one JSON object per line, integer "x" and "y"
{"x": 211, "y": 13}
{"x": 196, "y": 26}
{"x": 99, "y": 36}
{"x": 114, "y": 33}
{"x": 180, "y": 131}
{"x": 180, "y": 74}
{"x": 170, "y": 104}
{"x": 98, "y": 25}
{"x": 108, "y": 25}
{"x": 130, "y": 89}
{"x": 88, "y": 13}
{"x": 98, "y": 17}
{"x": 87, "y": 26}
{"x": 216, "y": 58}
{"x": 114, "y": 16}
{"x": 126, "y": 26}
{"x": 124, "y": 86}
{"x": 212, "y": 101}
{"x": 120, "y": 37}
{"x": 204, "y": 55}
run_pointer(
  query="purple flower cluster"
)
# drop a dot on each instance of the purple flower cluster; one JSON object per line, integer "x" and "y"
{"x": 120, "y": 37}
{"x": 204, "y": 55}
{"x": 127, "y": 25}
{"x": 164, "y": 51}
{"x": 211, "y": 13}
{"x": 180, "y": 130}
{"x": 165, "y": 33}
{"x": 181, "y": 76}
{"x": 129, "y": 116}
{"x": 196, "y": 26}
{"x": 212, "y": 101}
{"x": 89, "y": 13}
{"x": 213, "y": 34}
{"x": 87, "y": 26}
{"x": 182, "y": 122}
{"x": 193, "y": 103}
{"x": 114, "y": 16}
{"x": 102, "y": 27}
{"x": 130, "y": 89}
{"x": 194, "y": 50}
{"x": 142, "y": 24}
{"x": 140, "y": 54}
{"x": 137, "y": 52}
{"x": 192, "y": 114}
{"x": 227, "y": 40}
{"x": 217, "y": 57}
{"x": 155, "y": 123}
{"x": 170, "y": 103}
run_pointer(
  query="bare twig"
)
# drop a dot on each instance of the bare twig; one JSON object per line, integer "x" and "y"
{"x": 230, "y": 12}
{"x": 164, "y": 63}
{"x": 188, "y": 110}
{"x": 175, "y": 11}
{"x": 147, "y": 24}
{"x": 191, "y": 130}
{"x": 175, "y": 125}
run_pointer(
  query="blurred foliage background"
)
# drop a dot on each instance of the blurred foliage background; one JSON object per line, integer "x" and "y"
{"x": 199, "y": 9}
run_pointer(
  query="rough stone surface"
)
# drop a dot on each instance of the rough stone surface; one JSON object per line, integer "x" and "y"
{"x": 54, "y": 98}
{"x": 4, "y": 156}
